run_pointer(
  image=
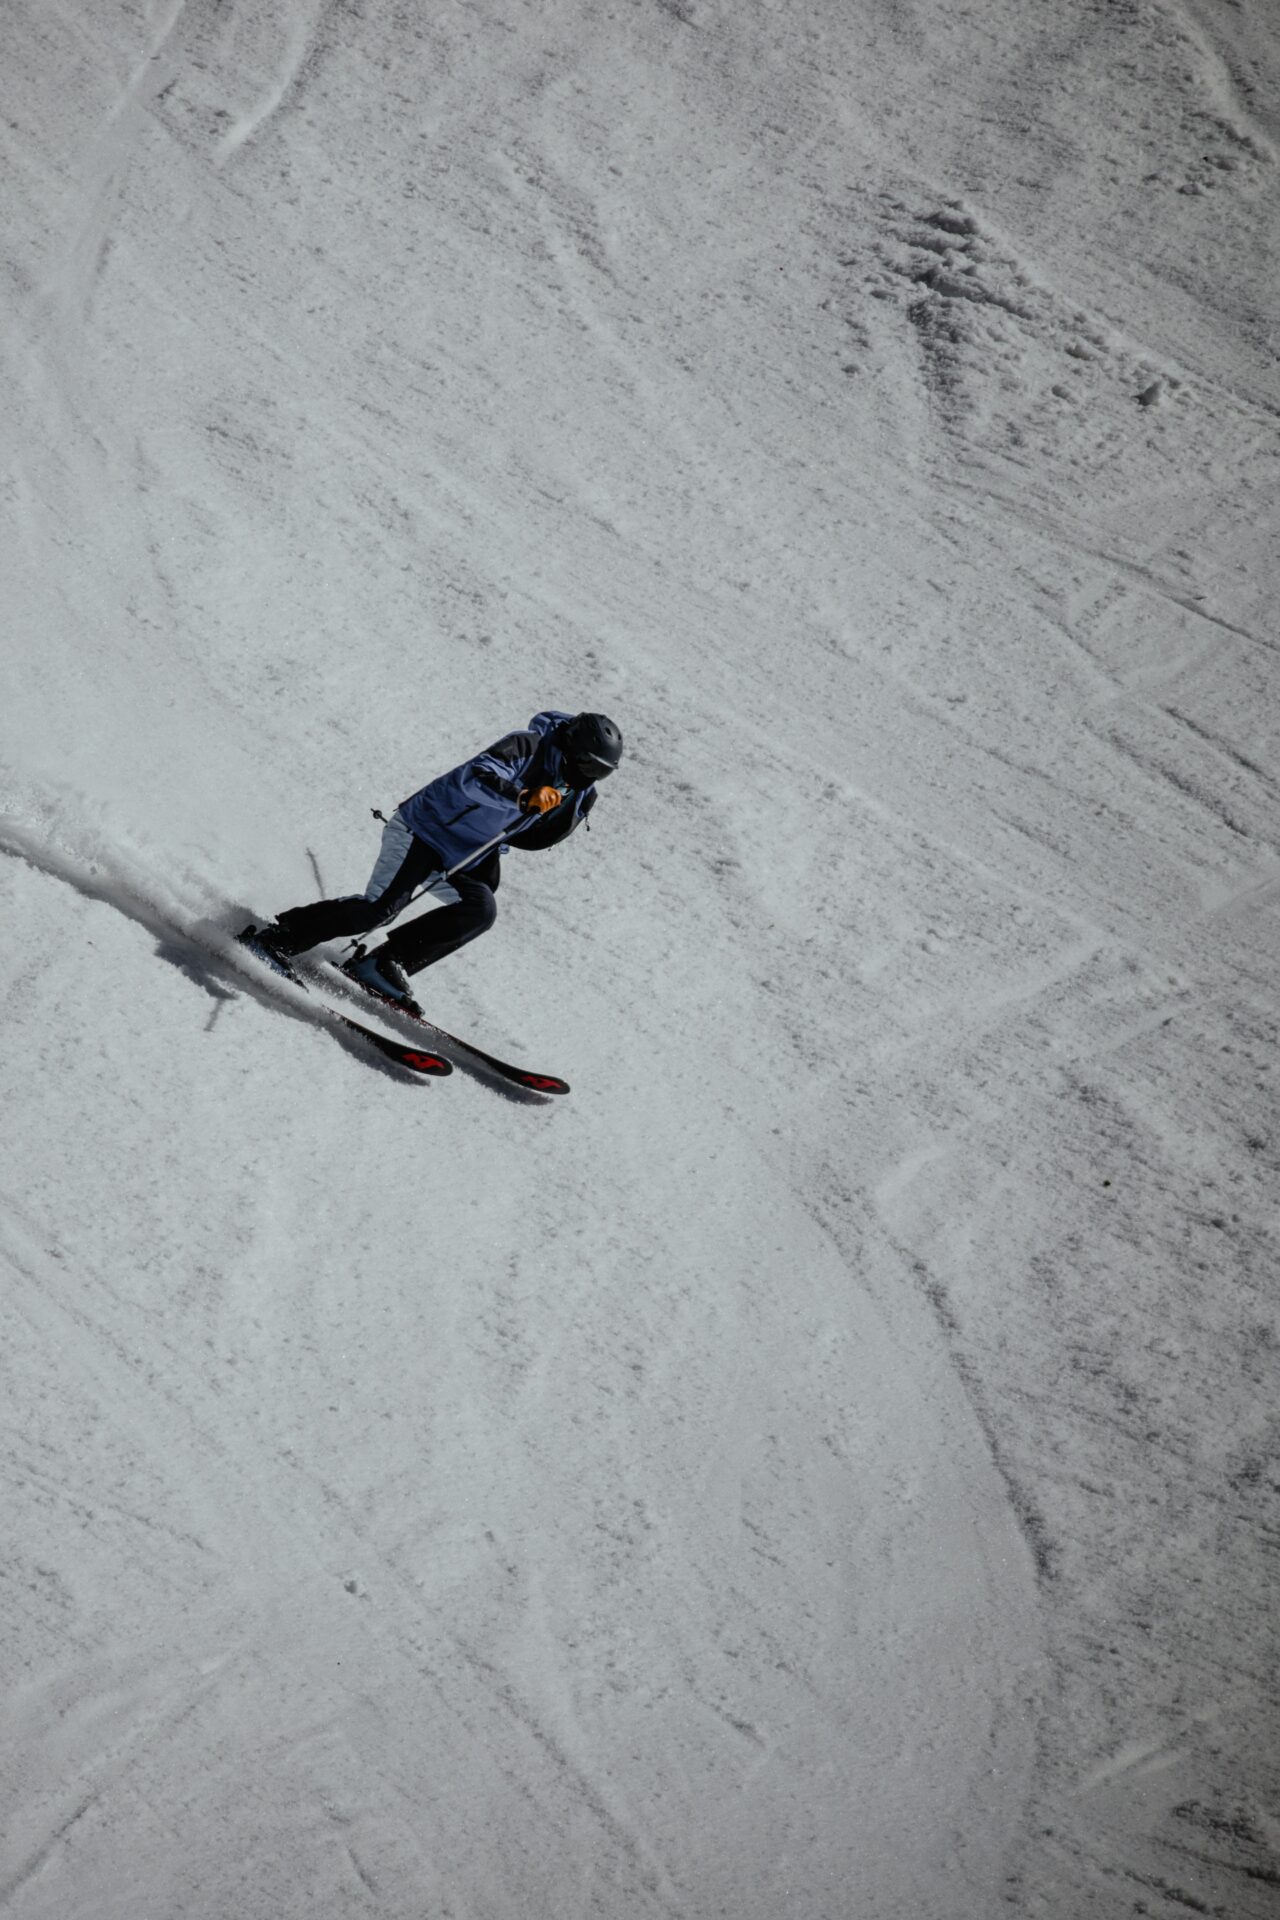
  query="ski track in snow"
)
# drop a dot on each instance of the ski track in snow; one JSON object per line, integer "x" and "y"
{"x": 631, "y": 1870}
{"x": 829, "y": 1467}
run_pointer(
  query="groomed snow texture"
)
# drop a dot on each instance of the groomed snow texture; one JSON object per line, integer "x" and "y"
{"x": 828, "y": 1467}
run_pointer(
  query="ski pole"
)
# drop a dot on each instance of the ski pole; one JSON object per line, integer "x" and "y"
{"x": 502, "y": 839}
{"x": 499, "y": 840}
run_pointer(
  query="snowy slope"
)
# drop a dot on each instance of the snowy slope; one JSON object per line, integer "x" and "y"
{"x": 828, "y": 1467}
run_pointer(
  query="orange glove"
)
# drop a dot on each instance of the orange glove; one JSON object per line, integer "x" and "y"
{"x": 540, "y": 799}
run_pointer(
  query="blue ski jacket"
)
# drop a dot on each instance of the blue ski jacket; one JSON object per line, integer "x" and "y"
{"x": 460, "y": 811}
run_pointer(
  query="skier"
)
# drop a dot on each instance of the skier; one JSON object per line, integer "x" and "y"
{"x": 533, "y": 786}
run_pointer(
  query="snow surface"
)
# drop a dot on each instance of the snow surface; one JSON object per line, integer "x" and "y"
{"x": 828, "y": 1467}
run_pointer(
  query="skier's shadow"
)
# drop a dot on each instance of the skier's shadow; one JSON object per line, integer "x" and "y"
{"x": 104, "y": 879}
{"x": 223, "y": 984}
{"x": 194, "y": 967}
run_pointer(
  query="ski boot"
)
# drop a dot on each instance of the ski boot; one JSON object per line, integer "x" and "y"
{"x": 380, "y": 973}
{"x": 259, "y": 942}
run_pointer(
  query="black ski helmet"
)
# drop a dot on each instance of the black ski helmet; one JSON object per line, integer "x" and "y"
{"x": 592, "y": 747}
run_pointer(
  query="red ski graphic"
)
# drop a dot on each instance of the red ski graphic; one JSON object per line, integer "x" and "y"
{"x": 505, "y": 1069}
{"x": 412, "y": 1059}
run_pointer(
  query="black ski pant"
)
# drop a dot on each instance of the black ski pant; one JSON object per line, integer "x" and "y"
{"x": 404, "y": 865}
{"x": 431, "y": 936}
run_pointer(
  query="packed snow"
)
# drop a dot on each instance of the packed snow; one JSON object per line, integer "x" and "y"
{"x": 828, "y": 1467}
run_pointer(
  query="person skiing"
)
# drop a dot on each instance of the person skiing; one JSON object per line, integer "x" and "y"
{"x": 528, "y": 790}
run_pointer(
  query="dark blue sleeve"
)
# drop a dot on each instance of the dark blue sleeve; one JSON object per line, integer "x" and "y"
{"x": 504, "y": 766}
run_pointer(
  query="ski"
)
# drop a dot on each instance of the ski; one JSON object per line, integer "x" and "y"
{"x": 413, "y": 1059}
{"x": 504, "y": 1069}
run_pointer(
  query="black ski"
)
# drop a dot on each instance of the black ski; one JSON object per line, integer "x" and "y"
{"x": 505, "y": 1069}
{"x": 519, "y": 1076}
{"x": 413, "y": 1059}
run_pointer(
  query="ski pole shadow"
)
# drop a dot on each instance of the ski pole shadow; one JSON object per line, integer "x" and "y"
{"x": 192, "y": 944}
{"x": 223, "y": 981}
{"x": 195, "y": 968}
